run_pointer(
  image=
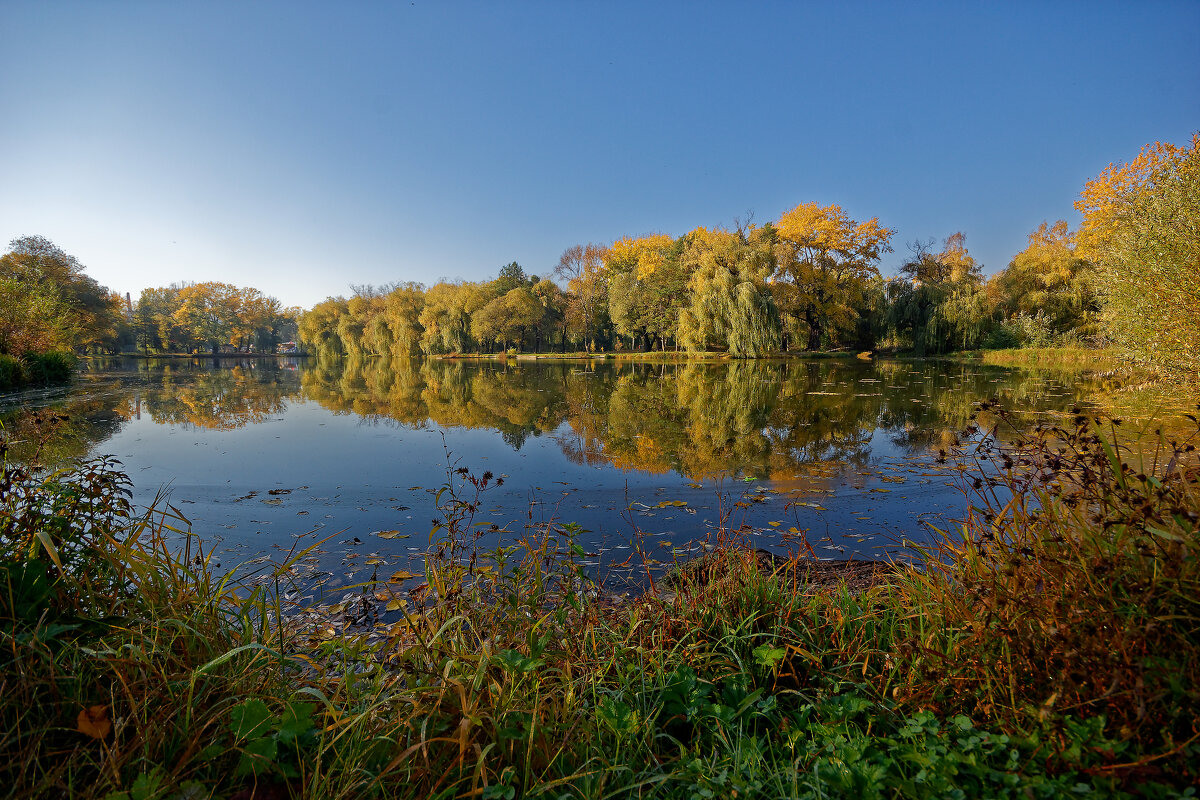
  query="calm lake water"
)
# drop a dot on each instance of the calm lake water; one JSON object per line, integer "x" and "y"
{"x": 262, "y": 454}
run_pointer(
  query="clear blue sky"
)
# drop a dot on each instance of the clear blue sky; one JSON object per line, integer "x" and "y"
{"x": 301, "y": 147}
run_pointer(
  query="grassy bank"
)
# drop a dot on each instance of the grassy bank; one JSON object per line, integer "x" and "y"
{"x": 1048, "y": 357}
{"x": 1049, "y": 649}
{"x": 35, "y": 369}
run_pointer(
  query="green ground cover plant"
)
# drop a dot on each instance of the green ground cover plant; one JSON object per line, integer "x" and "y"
{"x": 1048, "y": 648}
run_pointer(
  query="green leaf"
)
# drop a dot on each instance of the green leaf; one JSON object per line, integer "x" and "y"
{"x": 296, "y": 720}
{"x": 515, "y": 661}
{"x": 258, "y": 756}
{"x": 767, "y": 656}
{"x": 251, "y": 719}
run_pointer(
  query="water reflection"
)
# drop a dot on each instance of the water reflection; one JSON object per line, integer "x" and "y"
{"x": 840, "y": 454}
{"x": 764, "y": 419}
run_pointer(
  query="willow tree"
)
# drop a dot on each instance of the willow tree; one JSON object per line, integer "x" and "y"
{"x": 402, "y": 310}
{"x": 446, "y": 317}
{"x": 1142, "y": 227}
{"x": 825, "y": 261}
{"x": 318, "y": 327}
{"x": 938, "y": 298}
{"x": 729, "y": 303}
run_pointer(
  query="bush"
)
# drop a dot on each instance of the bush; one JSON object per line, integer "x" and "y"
{"x": 48, "y": 368}
{"x": 12, "y": 373}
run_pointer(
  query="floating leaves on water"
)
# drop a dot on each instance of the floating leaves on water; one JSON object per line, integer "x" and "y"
{"x": 813, "y": 506}
{"x": 674, "y": 503}
{"x": 274, "y": 501}
{"x": 881, "y": 490}
{"x": 395, "y": 605}
{"x": 774, "y": 523}
{"x": 399, "y": 576}
{"x": 94, "y": 722}
{"x": 390, "y": 534}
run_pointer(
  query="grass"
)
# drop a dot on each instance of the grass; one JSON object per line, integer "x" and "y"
{"x": 1049, "y": 648}
{"x": 35, "y": 369}
{"x": 1048, "y": 357}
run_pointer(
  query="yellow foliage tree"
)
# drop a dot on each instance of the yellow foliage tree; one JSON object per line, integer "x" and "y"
{"x": 825, "y": 260}
{"x": 1142, "y": 228}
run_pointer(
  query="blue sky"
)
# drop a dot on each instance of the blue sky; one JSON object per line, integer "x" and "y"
{"x": 303, "y": 147}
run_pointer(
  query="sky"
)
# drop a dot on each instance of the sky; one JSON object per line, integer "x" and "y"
{"x": 302, "y": 148}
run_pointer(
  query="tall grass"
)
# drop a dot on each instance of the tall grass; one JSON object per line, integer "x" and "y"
{"x": 1048, "y": 649}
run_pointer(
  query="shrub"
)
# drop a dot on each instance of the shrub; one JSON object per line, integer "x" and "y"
{"x": 47, "y": 368}
{"x": 12, "y": 373}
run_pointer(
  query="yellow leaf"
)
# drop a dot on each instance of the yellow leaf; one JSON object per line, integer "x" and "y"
{"x": 94, "y": 722}
{"x": 402, "y": 575}
{"x": 395, "y": 605}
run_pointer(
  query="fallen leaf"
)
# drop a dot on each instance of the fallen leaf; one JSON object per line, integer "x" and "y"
{"x": 94, "y": 722}
{"x": 388, "y": 534}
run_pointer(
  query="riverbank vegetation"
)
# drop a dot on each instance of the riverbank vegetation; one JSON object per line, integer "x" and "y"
{"x": 810, "y": 281}
{"x": 1049, "y": 648}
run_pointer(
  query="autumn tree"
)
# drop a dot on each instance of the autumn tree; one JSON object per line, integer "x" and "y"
{"x": 824, "y": 261}
{"x": 1141, "y": 226}
{"x": 1051, "y": 282}
{"x": 318, "y": 327}
{"x": 647, "y": 287}
{"x": 586, "y": 313}
{"x": 729, "y": 302}
{"x": 402, "y": 309}
{"x": 154, "y": 322}
{"x": 211, "y": 312}
{"x": 91, "y": 314}
{"x": 446, "y": 317}
{"x": 938, "y": 301}
{"x": 33, "y": 319}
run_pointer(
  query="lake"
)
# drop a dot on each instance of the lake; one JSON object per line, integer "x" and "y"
{"x": 265, "y": 455}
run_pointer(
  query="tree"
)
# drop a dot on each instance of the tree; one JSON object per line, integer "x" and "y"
{"x": 211, "y": 312}
{"x": 446, "y": 317}
{"x": 402, "y": 310}
{"x": 952, "y": 265}
{"x": 318, "y": 327}
{"x": 937, "y": 300}
{"x": 825, "y": 259}
{"x": 582, "y": 266}
{"x": 1050, "y": 280}
{"x": 95, "y": 317}
{"x": 512, "y": 276}
{"x": 729, "y": 302}
{"x": 647, "y": 286}
{"x": 33, "y": 319}
{"x": 1142, "y": 227}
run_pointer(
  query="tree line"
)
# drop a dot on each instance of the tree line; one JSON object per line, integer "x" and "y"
{"x": 49, "y": 304}
{"x": 810, "y": 280}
